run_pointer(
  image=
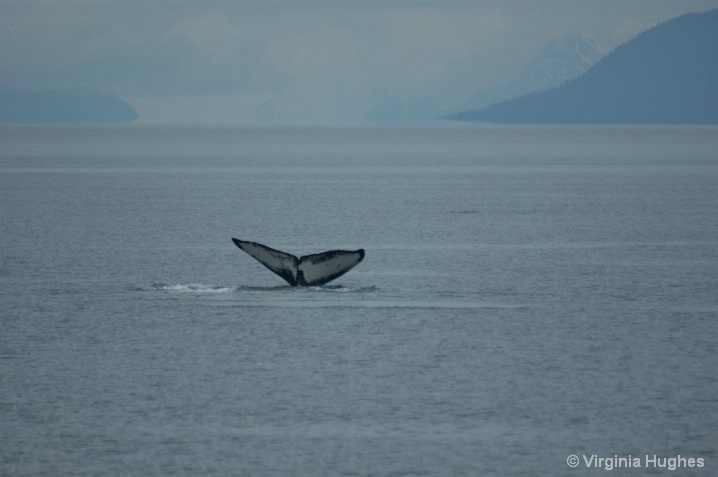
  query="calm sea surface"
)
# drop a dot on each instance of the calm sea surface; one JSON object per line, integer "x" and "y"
{"x": 527, "y": 294}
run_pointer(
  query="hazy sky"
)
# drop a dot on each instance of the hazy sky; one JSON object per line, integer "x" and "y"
{"x": 298, "y": 61}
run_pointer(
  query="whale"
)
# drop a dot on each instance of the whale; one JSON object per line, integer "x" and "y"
{"x": 309, "y": 270}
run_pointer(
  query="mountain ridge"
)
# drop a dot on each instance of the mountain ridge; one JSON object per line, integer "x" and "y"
{"x": 666, "y": 75}
{"x": 80, "y": 105}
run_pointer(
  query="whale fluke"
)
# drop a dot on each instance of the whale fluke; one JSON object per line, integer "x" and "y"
{"x": 309, "y": 270}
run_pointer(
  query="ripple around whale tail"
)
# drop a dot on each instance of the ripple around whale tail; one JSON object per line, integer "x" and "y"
{"x": 323, "y": 288}
{"x": 202, "y": 288}
{"x": 189, "y": 288}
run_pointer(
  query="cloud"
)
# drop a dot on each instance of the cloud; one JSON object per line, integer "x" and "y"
{"x": 305, "y": 61}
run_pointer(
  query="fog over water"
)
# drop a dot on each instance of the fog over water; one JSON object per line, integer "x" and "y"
{"x": 313, "y": 62}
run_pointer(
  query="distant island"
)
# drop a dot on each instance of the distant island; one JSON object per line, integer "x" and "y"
{"x": 666, "y": 75}
{"x": 75, "y": 105}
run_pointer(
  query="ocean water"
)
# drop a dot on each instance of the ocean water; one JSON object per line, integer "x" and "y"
{"x": 528, "y": 294}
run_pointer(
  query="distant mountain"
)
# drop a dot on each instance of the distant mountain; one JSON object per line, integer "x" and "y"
{"x": 666, "y": 75}
{"x": 559, "y": 61}
{"x": 76, "y": 105}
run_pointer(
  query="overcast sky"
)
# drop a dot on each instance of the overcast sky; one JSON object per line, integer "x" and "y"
{"x": 298, "y": 61}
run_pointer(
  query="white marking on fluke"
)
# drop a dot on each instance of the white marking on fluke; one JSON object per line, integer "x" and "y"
{"x": 309, "y": 270}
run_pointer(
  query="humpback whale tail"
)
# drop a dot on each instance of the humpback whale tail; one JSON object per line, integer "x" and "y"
{"x": 309, "y": 270}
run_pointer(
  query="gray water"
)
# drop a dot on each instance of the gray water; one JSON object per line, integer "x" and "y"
{"x": 527, "y": 294}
